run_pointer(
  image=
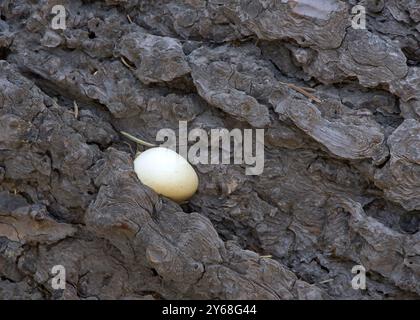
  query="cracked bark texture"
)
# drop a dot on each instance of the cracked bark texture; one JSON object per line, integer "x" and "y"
{"x": 341, "y": 183}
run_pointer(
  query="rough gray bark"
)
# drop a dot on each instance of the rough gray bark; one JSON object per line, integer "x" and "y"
{"x": 341, "y": 184}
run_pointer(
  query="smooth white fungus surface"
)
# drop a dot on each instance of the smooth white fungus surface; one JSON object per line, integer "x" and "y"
{"x": 167, "y": 173}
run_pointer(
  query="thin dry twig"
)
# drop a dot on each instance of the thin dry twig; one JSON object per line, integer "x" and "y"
{"x": 326, "y": 281}
{"x": 76, "y": 109}
{"x": 126, "y": 63}
{"x": 129, "y": 18}
{"x": 129, "y": 146}
{"x": 309, "y": 89}
{"x": 137, "y": 140}
{"x": 303, "y": 91}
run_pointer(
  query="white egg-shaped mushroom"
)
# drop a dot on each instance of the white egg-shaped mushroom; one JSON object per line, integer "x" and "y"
{"x": 167, "y": 173}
